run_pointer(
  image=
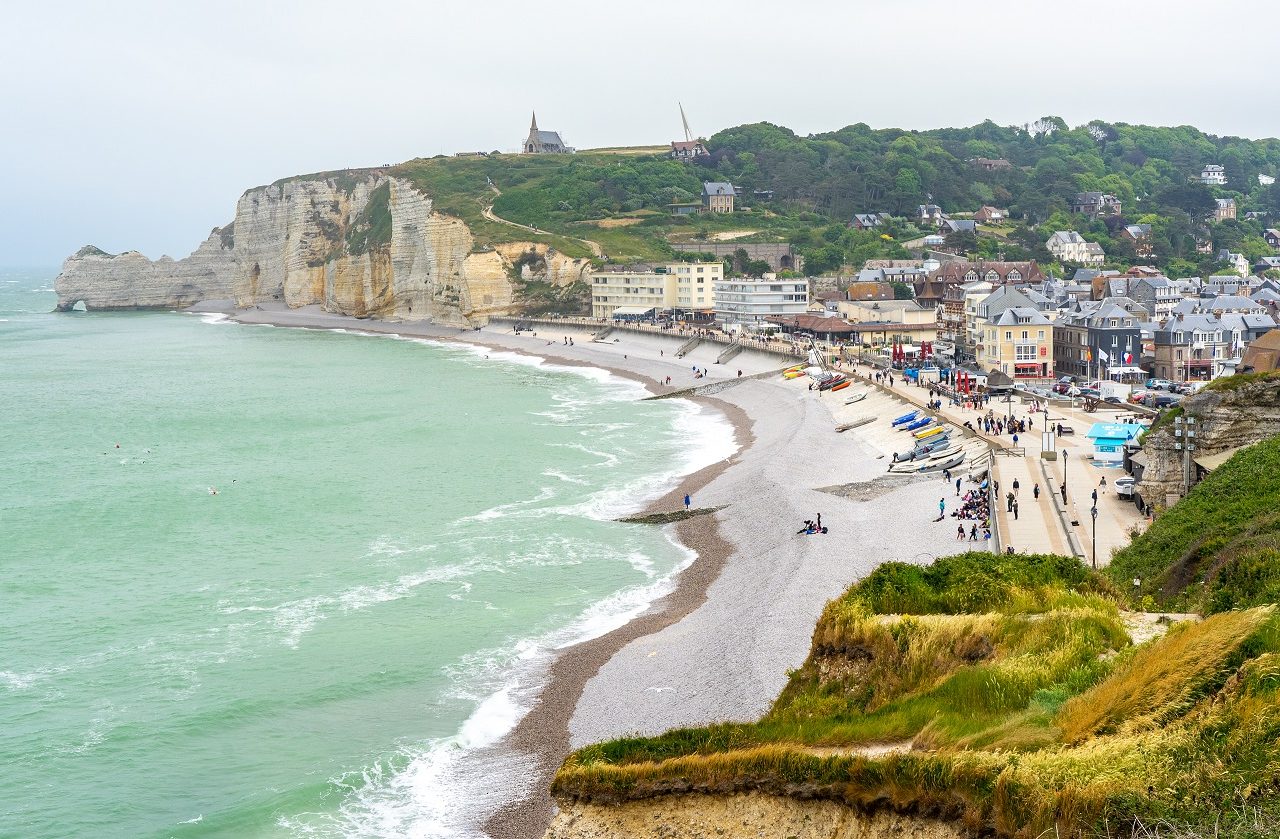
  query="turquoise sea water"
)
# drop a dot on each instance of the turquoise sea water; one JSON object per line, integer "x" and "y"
{"x": 402, "y": 534}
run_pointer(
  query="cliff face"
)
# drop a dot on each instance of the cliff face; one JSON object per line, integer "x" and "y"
{"x": 1241, "y": 416}
{"x": 740, "y": 817}
{"x": 357, "y": 243}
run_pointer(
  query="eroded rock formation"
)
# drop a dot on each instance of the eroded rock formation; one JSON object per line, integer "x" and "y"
{"x": 1225, "y": 419}
{"x": 364, "y": 243}
{"x": 740, "y": 817}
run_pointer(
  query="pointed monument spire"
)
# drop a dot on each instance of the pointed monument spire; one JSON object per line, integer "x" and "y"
{"x": 534, "y": 125}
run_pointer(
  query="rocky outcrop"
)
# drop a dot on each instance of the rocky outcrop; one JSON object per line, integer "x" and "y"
{"x": 129, "y": 280}
{"x": 1232, "y": 416}
{"x": 740, "y": 817}
{"x": 365, "y": 243}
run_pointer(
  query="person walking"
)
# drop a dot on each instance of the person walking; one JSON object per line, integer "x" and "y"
{"x": 1102, "y": 484}
{"x": 1015, "y": 487}
{"x": 1062, "y": 489}
{"x": 1036, "y": 491}
{"x": 960, "y": 533}
{"x": 1015, "y": 509}
{"x": 973, "y": 532}
{"x": 1008, "y": 503}
{"x": 957, "y": 486}
{"x": 687, "y": 501}
{"x": 942, "y": 508}
{"x": 1095, "y": 498}
{"x": 1015, "y": 438}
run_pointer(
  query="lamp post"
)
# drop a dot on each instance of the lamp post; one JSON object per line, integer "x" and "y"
{"x": 1093, "y": 511}
{"x": 1064, "y": 477}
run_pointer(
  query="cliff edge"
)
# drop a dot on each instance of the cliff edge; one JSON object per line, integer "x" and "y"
{"x": 362, "y": 243}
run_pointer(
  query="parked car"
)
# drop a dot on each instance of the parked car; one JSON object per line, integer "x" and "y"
{"x": 1090, "y": 391}
{"x": 1165, "y": 401}
{"x": 1124, "y": 486}
{"x": 1159, "y": 384}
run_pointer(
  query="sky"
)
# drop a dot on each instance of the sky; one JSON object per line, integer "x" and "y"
{"x": 136, "y": 125}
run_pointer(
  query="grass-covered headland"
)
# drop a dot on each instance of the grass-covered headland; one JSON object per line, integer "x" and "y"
{"x": 1003, "y": 692}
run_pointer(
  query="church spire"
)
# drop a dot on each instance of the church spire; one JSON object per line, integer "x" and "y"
{"x": 534, "y": 125}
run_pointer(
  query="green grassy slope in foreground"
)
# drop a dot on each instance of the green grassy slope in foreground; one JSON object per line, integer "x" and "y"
{"x": 1218, "y": 548}
{"x": 1013, "y": 699}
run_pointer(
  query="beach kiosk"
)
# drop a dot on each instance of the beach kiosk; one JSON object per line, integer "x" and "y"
{"x": 1109, "y": 439}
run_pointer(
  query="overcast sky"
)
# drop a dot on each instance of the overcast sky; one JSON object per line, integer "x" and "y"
{"x": 136, "y": 125}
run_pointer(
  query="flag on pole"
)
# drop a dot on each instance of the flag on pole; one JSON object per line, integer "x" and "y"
{"x": 1102, "y": 355}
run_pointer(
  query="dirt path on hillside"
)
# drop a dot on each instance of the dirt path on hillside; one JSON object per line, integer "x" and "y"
{"x": 488, "y": 213}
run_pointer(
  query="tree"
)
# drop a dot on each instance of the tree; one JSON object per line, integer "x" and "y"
{"x": 962, "y": 241}
{"x": 902, "y": 291}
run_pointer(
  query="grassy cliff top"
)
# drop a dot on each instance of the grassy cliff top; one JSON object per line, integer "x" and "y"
{"x": 1001, "y": 691}
{"x": 1218, "y": 548}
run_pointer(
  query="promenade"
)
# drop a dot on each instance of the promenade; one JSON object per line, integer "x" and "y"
{"x": 1045, "y": 525}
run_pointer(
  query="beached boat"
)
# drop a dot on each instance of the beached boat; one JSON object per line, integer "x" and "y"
{"x": 840, "y": 385}
{"x": 854, "y": 423}
{"x": 793, "y": 374}
{"x": 944, "y": 453}
{"x": 919, "y": 425}
{"x": 831, "y": 381}
{"x": 904, "y": 468}
{"x": 939, "y": 465}
{"x": 925, "y": 433}
{"x": 905, "y": 418}
{"x": 855, "y": 397}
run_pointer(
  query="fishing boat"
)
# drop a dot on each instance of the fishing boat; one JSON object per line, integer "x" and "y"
{"x": 944, "y": 453}
{"x": 904, "y": 468}
{"x": 939, "y": 465}
{"x": 856, "y": 397}
{"x": 840, "y": 385}
{"x": 905, "y": 418}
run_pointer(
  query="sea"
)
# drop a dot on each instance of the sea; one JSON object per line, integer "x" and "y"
{"x": 269, "y": 582}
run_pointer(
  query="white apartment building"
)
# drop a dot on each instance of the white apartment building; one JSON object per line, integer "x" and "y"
{"x": 1070, "y": 246}
{"x": 1213, "y": 175}
{"x": 679, "y": 285}
{"x": 743, "y": 300}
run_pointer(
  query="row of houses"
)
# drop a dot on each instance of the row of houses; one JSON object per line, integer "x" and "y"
{"x": 697, "y": 290}
{"x": 1100, "y": 325}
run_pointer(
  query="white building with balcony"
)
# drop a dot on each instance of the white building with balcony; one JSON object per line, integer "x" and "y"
{"x": 749, "y": 300}
{"x": 684, "y": 286}
{"x": 1213, "y": 175}
{"x": 1070, "y": 246}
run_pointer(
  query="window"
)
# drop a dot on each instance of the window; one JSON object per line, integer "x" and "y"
{"x": 699, "y": 269}
{"x": 1024, "y": 352}
{"x": 1008, "y": 336}
{"x": 1115, "y": 341}
{"x": 1015, "y": 275}
{"x": 1024, "y": 334}
{"x": 1040, "y": 334}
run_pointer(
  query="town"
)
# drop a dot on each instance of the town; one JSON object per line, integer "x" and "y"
{"x": 1070, "y": 319}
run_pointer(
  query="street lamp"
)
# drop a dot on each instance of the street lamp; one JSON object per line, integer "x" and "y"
{"x": 1093, "y": 511}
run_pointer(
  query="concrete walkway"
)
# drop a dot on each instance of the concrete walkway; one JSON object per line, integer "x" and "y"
{"x": 1039, "y": 528}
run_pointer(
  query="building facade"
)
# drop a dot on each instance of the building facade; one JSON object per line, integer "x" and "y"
{"x": 750, "y": 301}
{"x": 1070, "y": 246}
{"x": 1099, "y": 339}
{"x": 718, "y": 197}
{"x": 543, "y": 142}
{"x": 680, "y": 286}
{"x": 1213, "y": 175}
{"x": 1019, "y": 343}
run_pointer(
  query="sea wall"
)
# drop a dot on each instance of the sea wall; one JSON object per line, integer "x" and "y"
{"x": 747, "y": 816}
{"x": 363, "y": 243}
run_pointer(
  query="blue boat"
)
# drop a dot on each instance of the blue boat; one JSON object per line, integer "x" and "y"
{"x": 906, "y": 418}
{"x": 919, "y": 424}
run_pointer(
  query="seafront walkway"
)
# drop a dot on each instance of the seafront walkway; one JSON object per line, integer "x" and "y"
{"x": 1043, "y": 526}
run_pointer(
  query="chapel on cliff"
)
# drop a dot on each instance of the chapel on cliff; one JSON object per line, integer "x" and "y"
{"x": 544, "y": 142}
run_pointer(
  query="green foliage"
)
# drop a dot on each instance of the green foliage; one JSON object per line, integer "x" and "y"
{"x": 1023, "y": 723}
{"x": 371, "y": 227}
{"x": 1219, "y": 547}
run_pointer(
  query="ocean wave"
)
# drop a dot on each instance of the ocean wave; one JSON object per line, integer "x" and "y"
{"x": 450, "y": 787}
{"x": 568, "y": 479}
{"x": 296, "y": 618}
{"x": 544, "y": 494}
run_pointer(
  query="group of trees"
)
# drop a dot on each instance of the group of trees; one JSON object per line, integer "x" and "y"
{"x": 818, "y": 182}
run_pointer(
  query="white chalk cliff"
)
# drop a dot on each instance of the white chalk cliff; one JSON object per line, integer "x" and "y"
{"x": 363, "y": 243}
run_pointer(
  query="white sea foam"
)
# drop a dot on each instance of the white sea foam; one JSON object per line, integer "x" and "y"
{"x": 451, "y": 786}
{"x": 544, "y": 494}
